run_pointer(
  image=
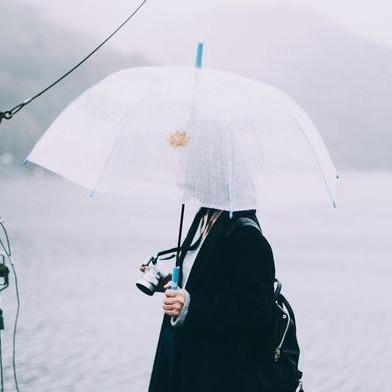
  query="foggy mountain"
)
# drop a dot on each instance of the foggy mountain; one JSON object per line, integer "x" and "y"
{"x": 341, "y": 80}
{"x": 33, "y": 54}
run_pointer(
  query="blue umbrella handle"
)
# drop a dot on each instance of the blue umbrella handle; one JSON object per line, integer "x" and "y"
{"x": 175, "y": 278}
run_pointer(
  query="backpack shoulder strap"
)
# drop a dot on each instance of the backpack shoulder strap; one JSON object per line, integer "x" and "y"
{"x": 242, "y": 222}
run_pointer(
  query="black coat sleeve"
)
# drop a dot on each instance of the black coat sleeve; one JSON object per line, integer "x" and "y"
{"x": 244, "y": 304}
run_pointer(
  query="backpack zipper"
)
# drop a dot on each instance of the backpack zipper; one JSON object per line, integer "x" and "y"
{"x": 278, "y": 349}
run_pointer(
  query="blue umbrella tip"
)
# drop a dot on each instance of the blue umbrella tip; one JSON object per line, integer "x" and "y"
{"x": 199, "y": 55}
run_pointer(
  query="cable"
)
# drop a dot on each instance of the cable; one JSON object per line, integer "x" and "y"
{"x": 8, "y": 251}
{"x": 1, "y": 366}
{"x": 8, "y": 114}
{"x": 15, "y": 324}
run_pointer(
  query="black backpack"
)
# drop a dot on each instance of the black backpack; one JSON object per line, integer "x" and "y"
{"x": 286, "y": 355}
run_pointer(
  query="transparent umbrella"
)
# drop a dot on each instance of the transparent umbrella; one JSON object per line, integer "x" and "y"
{"x": 189, "y": 134}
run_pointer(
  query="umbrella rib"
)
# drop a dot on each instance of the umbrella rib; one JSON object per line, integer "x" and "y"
{"x": 93, "y": 190}
{"x": 314, "y": 154}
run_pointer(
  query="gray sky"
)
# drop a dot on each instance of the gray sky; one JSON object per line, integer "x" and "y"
{"x": 367, "y": 18}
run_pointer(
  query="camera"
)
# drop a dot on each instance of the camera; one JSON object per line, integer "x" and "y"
{"x": 154, "y": 273}
{"x": 4, "y": 273}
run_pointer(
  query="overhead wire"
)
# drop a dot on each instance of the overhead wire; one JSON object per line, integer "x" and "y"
{"x": 8, "y": 114}
{"x": 1, "y": 366}
{"x": 6, "y": 246}
{"x": 15, "y": 324}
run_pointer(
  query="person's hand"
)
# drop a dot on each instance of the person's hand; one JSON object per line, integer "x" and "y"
{"x": 174, "y": 301}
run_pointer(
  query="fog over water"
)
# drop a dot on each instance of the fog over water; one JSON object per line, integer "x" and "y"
{"x": 85, "y": 327}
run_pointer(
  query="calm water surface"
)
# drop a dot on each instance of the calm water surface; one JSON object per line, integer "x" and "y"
{"x": 85, "y": 327}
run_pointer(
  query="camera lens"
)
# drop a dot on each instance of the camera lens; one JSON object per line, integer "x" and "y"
{"x": 149, "y": 281}
{"x": 146, "y": 287}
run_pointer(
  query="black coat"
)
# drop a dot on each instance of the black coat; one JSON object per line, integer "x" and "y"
{"x": 225, "y": 343}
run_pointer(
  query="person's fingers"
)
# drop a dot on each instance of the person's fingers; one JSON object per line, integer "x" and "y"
{"x": 173, "y": 302}
{"x": 176, "y": 302}
{"x": 172, "y": 293}
{"x": 169, "y": 301}
{"x": 176, "y": 308}
{"x": 175, "y": 293}
{"x": 172, "y": 310}
{"x": 167, "y": 285}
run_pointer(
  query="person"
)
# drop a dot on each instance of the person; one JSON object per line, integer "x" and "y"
{"x": 216, "y": 330}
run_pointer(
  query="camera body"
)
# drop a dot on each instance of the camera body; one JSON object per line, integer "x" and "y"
{"x": 4, "y": 273}
{"x": 154, "y": 273}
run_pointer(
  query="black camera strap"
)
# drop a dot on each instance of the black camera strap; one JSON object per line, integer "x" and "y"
{"x": 173, "y": 251}
{"x": 187, "y": 244}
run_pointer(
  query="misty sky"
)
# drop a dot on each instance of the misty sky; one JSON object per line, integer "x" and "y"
{"x": 368, "y": 18}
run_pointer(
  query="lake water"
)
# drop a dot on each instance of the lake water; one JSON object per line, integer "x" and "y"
{"x": 85, "y": 327}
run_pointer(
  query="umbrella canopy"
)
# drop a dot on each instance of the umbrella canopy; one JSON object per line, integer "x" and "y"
{"x": 189, "y": 134}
